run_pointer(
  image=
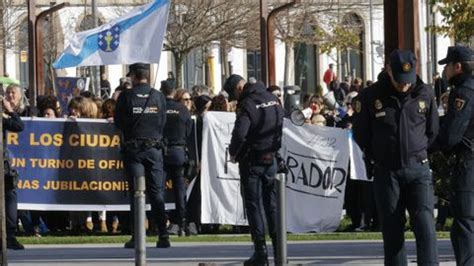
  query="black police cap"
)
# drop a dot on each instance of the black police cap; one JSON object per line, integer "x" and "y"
{"x": 457, "y": 54}
{"x": 230, "y": 84}
{"x": 403, "y": 64}
{"x": 137, "y": 66}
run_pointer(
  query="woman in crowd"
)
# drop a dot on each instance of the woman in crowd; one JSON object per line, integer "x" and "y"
{"x": 219, "y": 103}
{"x": 83, "y": 107}
{"x": 183, "y": 96}
{"x": 16, "y": 97}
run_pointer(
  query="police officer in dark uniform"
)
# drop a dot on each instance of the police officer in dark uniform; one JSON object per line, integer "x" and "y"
{"x": 457, "y": 136}
{"x": 141, "y": 116}
{"x": 177, "y": 130}
{"x": 256, "y": 139}
{"x": 395, "y": 122}
{"x": 11, "y": 122}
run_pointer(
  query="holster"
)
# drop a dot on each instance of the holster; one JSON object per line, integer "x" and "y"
{"x": 261, "y": 158}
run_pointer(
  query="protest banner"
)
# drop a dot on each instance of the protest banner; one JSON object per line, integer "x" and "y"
{"x": 69, "y": 165}
{"x": 317, "y": 158}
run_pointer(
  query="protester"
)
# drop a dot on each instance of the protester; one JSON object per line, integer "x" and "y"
{"x": 16, "y": 97}
{"x": 13, "y": 123}
{"x": 183, "y": 96}
{"x": 219, "y": 103}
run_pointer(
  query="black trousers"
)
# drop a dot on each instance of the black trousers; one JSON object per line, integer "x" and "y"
{"x": 408, "y": 188}
{"x": 462, "y": 206}
{"x": 174, "y": 167}
{"x": 11, "y": 211}
{"x": 259, "y": 186}
{"x": 148, "y": 163}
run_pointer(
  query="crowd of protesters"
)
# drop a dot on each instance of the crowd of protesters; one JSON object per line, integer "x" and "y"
{"x": 334, "y": 111}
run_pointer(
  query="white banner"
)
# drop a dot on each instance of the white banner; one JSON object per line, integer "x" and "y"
{"x": 221, "y": 200}
{"x": 317, "y": 157}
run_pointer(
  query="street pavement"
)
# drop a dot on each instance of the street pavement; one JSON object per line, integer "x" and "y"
{"x": 227, "y": 253}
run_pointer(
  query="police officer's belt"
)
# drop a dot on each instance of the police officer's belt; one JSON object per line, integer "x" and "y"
{"x": 142, "y": 143}
{"x": 176, "y": 145}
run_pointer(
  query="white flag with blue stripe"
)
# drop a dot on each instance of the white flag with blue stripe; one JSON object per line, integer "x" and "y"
{"x": 135, "y": 37}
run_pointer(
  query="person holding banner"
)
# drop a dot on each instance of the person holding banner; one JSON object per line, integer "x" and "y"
{"x": 141, "y": 116}
{"x": 11, "y": 122}
{"x": 395, "y": 121}
{"x": 256, "y": 139}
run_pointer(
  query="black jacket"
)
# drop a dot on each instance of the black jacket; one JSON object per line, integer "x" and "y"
{"x": 457, "y": 130}
{"x": 395, "y": 129}
{"x": 178, "y": 125}
{"x": 259, "y": 122}
{"x": 137, "y": 121}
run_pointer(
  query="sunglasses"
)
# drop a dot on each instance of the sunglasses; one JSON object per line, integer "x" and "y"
{"x": 186, "y": 99}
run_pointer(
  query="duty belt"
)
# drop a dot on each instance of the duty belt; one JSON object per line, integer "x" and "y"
{"x": 142, "y": 144}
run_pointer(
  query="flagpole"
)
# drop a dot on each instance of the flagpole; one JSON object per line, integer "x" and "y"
{"x": 95, "y": 70}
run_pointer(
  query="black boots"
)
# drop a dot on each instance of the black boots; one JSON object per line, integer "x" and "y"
{"x": 182, "y": 228}
{"x": 259, "y": 257}
{"x": 130, "y": 243}
{"x": 163, "y": 242}
{"x": 12, "y": 243}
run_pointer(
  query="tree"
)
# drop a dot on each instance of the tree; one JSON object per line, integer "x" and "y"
{"x": 318, "y": 23}
{"x": 10, "y": 23}
{"x": 194, "y": 24}
{"x": 458, "y": 19}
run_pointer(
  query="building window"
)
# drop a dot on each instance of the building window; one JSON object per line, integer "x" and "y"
{"x": 254, "y": 64}
{"x": 352, "y": 60}
{"x": 305, "y": 68}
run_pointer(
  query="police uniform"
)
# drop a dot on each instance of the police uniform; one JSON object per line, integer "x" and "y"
{"x": 395, "y": 129}
{"x": 177, "y": 130}
{"x": 11, "y": 122}
{"x": 255, "y": 140}
{"x": 141, "y": 116}
{"x": 457, "y": 136}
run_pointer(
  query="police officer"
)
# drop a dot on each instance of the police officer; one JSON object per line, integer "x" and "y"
{"x": 457, "y": 136}
{"x": 256, "y": 138}
{"x": 141, "y": 116}
{"x": 177, "y": 130}
{"x": 11, "y": 122}
{"x": 395, "y": 122}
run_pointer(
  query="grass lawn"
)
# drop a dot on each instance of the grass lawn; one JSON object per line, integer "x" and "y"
{"x": 210, "y": 238}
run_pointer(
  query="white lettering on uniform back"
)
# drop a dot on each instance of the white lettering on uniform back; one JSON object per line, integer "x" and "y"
{"x": 267, "y": 104}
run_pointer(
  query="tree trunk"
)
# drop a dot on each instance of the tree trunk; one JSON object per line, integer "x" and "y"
{"x": 225, "y": 63}
{"x": 178, "y": 61}
{"x": 288, "y": 56}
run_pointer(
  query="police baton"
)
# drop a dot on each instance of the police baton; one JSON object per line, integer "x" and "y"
{"x": 3, "y": 234}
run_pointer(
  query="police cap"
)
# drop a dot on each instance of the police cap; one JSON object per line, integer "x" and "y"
{"x": 137, "y": 66}
{"x": 457, "y": 54}
{"x": 230, "y": 85}
{"x": 403, "y": 64}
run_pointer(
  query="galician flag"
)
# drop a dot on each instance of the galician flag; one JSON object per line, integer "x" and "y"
{"x": 135, "y": 37}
